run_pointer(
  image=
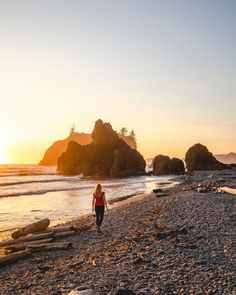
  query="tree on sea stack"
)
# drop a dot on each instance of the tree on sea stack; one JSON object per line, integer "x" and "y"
{"x": 199, "y": 158}
{"x": 123, "y": 131}
{"x": 133, "y": 135}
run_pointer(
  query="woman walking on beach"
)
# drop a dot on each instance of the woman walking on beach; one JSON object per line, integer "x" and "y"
{"x": 99, "y": 203}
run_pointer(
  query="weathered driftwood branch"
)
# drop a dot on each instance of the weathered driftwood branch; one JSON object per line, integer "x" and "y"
{"x": 31, "y": 228}
{"x": 57, "y": 229}
{"x": 13, "y": 257}
{"x": 64, "y": 234}
{"x": 23, "y": 246}
{"x": 26, "y": 239}
{"x": 60, "y": 229}
{"x": 226, "y": 189}
{"x": 50, "y": 246}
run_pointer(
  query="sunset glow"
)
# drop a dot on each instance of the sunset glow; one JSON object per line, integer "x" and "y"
{"x": 174, "y": 85}
{"x": 3, "y": 146}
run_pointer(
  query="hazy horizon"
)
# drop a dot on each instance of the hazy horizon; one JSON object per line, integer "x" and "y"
{"x": 165, "y": 69}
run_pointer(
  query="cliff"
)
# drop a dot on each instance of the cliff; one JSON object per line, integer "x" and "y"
{"x": 107, "y": 155}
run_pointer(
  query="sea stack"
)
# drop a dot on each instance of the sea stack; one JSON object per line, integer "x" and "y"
{"x": 106, "y": 156}
{"x": 199, "y": 158}
{"x": 164, "y": 165}
{"x": 58, "y": 147}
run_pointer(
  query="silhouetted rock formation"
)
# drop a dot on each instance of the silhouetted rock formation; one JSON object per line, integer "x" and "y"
{"x": 163, "y": 165}
{"x": 107, "y": 155}
{"x": 57, "y": 148}
{"x": 227, "y": 158}
{"x": 199, "y": 158}
{"x": 130, "y": 140}
{"x": 176, "y": 167}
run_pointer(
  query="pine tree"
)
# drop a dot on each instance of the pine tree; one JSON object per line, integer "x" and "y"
{"x": 72, "y": 129}
{"x": 123, "y": 131}
{"x": 133, "y": 135}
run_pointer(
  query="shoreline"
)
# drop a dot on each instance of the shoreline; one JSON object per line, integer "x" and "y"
{"x": 36, "y": 201}
{"x": 5, "y": 234}
{"x": 182, "y": 243}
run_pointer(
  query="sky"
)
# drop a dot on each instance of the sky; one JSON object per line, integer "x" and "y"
{"x": 166, "y": 69}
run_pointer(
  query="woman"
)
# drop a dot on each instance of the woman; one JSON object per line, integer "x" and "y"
{"x": 99, "y": 203}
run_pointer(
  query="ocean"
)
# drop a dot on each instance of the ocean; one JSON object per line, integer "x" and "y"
{"x": 31, "y": 192}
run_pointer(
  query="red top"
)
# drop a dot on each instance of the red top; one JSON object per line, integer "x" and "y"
{"x": 99, "y": 199}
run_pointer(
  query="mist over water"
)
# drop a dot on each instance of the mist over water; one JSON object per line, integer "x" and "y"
{"x": 29, "y": 193}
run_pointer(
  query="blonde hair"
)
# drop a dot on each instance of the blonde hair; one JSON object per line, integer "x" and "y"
{"x": 98, "y": 189}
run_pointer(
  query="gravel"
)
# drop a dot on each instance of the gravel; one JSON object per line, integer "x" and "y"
{"x": 129, "y": 256}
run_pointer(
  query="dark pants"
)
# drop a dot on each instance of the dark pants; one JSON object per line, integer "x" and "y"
{"x": 99, "y": 214}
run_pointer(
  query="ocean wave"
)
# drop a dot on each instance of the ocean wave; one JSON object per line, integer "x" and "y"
{"x": 25, "y": 170}
{"x": 62, "y": 189}
{"x": 41, "y": 192}
{"x": 38, "y": 181}
{"x": 11, "y": 174}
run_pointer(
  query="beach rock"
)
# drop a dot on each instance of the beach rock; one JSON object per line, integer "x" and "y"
{"x": 176, "y": 167}
{"x": 199, "y": 158}
{"x": 161, "y": 165}
{"x": 107, "y": 156}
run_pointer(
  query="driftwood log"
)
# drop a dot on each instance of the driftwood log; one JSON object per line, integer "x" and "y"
{"x": 57, "y": 232}
{"x": 226, "y": 189}
{"x": 64, "y": 234}
{"x": 39, "y": 236}
{"x": 39, "y": 241}
{"x": 31, "y": 228}
{"x": 13, "y": 257}
{"x": 57, "y": 229}
{"x": 26, "y": 239}
{"x": 50, "y": 246}
{"x": 60, "y": 229}
{"x": 23, "y": 246}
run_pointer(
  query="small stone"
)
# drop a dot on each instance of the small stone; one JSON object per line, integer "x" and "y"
{"x": 82, "y": 292}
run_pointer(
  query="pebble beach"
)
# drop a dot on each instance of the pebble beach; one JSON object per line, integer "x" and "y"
{"x": 181, "y": 243}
